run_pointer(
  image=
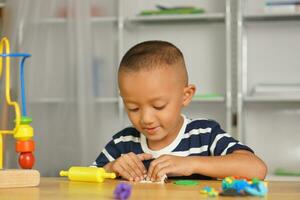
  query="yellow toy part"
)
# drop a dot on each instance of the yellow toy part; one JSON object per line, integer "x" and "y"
{"x": 24, "y": 132}
{"x": 5, "y": 43}
{"x": 87, "y": 174}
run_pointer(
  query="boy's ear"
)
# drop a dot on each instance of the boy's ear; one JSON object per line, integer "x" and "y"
{"x": 188, "y": 93}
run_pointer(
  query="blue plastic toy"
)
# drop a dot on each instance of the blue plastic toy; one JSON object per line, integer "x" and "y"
{"x": 240, "y": 187}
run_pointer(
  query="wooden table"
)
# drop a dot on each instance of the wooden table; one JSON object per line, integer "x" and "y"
{"x": 61, "y": 188}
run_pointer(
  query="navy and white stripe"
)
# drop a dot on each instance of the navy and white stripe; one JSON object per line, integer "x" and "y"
{"x": 198, "y": 137}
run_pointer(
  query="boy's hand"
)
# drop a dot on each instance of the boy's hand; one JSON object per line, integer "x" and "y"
{"x": 168, "y": 164}
{"x": 130, "y": 166}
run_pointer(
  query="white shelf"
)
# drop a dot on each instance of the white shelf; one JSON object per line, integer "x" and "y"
{"x": 271, "y": 177}
{"x": 2, "y": 5}
{"x": 178, "y": 17}
{"x": 104, "y": 19}
{"x": 106, "y": 100}
{"x": 49, "y": 101}
{"x": 110, "y": 100}
{"x": 62, "y": 100}
{"x": 272, "y": 16}
{"x": 272, "y": 98}
{"x": 208, "y": 99}
{"x": 207, "y": 17}
{"x": 58, "y": 20}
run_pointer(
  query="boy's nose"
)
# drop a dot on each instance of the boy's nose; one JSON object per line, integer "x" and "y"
{"x": 147, "y": 117}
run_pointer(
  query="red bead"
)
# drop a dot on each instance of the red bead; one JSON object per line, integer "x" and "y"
{"x": 26, "y": 160}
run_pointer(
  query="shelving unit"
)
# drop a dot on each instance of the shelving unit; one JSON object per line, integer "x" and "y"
{"x": 268, "y": 46}
{"x": 211, "y": 30}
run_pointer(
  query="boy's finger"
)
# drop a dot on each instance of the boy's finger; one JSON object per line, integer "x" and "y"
{"x": 161, "y": 174}
{"x": 157, "y": 169}
{"x": 126, "y": 167}
{"x": 130, "y": 165}
{"x": 140, "y": 166}
{"x": 123, "y": 172}
{"x": 151, "y": 168}
{"x": 160, "y": 170}
{"x": 136, "y": 165}
{"x": 145, "y": 156}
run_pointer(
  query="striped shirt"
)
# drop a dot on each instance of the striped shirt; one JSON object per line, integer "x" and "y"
{"x": 198, "y": 137}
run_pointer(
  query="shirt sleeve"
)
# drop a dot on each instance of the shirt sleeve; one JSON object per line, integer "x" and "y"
{"x": 109, "y": 154}
{"x": 221, "y": 143}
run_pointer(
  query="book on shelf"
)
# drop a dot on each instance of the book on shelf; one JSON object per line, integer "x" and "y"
{"x": 282, "y": 6}
{"x": 168, "y": 10}
{"x": 282, "y": 2}
{"x": 276, "y": 89}
{"x": 286, "y": 172}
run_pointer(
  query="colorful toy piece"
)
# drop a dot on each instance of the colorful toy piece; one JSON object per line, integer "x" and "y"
{"x": 211, "y": 192}
{"x": 240, "y": 187}
{"x": 122, "y": 191}
{"x": 257, "y": 188}
{"x": 22, "y": 132}
{"x": 87, "y": 174}
{"x": 237, "y": 184}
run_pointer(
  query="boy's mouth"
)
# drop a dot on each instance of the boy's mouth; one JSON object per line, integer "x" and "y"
{"x": 151, "y": 130}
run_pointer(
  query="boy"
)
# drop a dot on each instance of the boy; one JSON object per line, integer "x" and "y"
{"x": 153, "y": 84}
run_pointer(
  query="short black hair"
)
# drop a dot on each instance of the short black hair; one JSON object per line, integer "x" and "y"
{"x": 151, "y": 55}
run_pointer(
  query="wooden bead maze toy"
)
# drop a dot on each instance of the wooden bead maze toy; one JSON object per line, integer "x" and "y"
{"x": 22, "y": 131}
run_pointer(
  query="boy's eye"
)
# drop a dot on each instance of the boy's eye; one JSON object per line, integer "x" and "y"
{"x": 159, "y": 107}
{"x": 133, "y": 109}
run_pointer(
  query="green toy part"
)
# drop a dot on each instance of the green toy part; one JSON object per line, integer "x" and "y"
{"x": 186, "y": 182}
{"x": 26, "y": 120}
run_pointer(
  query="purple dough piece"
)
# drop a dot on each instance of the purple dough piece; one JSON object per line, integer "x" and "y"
{"x": 122, "y": 191}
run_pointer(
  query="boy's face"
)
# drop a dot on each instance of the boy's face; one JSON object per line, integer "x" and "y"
{"x": 153, "y": 100}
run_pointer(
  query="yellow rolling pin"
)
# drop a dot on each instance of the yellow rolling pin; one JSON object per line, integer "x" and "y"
{"x": 87, "y": 174}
